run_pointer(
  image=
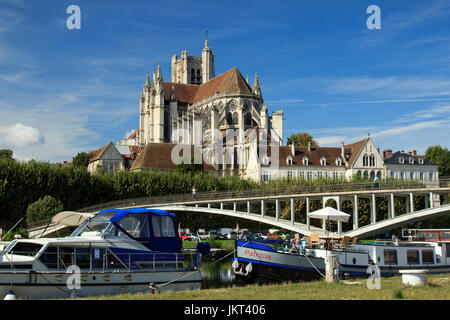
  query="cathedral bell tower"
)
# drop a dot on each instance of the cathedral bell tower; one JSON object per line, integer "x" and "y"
{"x": 207, "y": 63}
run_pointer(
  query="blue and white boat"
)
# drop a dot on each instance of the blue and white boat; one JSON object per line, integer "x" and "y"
{"x": 427, "y": 250}
{"x": 116, "y": 251}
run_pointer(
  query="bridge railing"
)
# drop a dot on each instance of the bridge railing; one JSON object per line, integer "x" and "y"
{"x": 255, "y": 193}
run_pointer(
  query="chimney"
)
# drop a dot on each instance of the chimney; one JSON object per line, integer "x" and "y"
{"x": 414, "y": 153}
{"x": 378, "y": 150}
{"x": 309, "y": 146}
{"x": 387, "y": 153}
{"x": 409, "y": 152}
{"x": 293, "y": 150}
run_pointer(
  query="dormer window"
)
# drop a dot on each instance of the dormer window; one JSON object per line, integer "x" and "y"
{"x": 411, "y": 160}
{"x": 420, "y": 160}
{"x": 323, "y": 161}
{"x": 265, "y": 160}
{"x": 289, "y": 160}
{"x": 305, "y": 161}
{"x": 338, "y": 162}
{"x": 401, "y": 160}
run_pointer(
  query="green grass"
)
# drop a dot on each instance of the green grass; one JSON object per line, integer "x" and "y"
{"x": 437, "y": 288}
{"x": 219, "y": 244}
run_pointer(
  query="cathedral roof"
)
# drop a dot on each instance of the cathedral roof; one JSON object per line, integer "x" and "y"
{"x": 183, "y": 92}
{"x": 158, "y": 156}
{"x": 230, "y": 82}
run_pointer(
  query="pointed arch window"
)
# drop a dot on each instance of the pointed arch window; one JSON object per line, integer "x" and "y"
{"x": 323, "y": 161}
{"x": 365, "y": 160}
{"x": 372, "y": 160}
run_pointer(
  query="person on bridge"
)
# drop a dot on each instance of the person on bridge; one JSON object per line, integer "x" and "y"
{"x": 375, "y": 183}
{"x": 194, "y": 193}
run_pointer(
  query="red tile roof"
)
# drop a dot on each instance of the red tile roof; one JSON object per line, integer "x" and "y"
{"x": 227, "y": 82}
{"x": 158, "y": 156}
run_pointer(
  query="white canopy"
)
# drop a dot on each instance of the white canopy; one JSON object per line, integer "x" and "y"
{"x": 71, "y": 218}
{"x": 329, "y": 213}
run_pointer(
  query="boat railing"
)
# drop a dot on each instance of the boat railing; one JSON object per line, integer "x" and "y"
{"x": 106, "y": 262}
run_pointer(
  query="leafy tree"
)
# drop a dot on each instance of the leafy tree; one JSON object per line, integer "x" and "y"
{"x": 440, "y": 156}
{"x": 81, "y": 159}
{"x": 44, "y": 208}
{"x": 191, "y": 168}
{"x": 6, "y": 154}
{"x": 302, "y": 139}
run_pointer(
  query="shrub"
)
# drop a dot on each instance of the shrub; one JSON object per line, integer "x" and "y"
{"x": 44, "y": 208}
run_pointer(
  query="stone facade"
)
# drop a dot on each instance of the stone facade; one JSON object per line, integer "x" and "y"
{"x": 199, "y": 108}
{"x": 410, "y": 166}
{"x": 108, "y": 159}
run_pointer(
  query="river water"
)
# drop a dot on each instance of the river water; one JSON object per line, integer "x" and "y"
{"x": 217, "y": 274}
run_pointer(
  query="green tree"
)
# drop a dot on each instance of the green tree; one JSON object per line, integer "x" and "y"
{"x": 191, "y": 168}
{"x": 440, "y": 156}
{"x": 44, "y": 208}
{"x": 6, "y": 154}
{"x": 81, "y": 159}
{"x": 302, "y": 139}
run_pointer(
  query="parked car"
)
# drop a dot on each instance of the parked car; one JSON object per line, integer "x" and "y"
{"x": 202, "y": 235}
{"x": 231, "y": 235}
{"x": 260, "y": 235}
{"x": 216, "y": 235}
{"x": 189, "y": 237}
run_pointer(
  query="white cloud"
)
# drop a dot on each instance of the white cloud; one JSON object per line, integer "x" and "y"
{"x": 19, "y": 135}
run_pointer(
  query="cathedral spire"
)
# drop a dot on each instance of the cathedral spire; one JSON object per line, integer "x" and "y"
{"x": 158, "y": 73}
{"x": 147, "y": 81}
{"x": 256, "y": 88}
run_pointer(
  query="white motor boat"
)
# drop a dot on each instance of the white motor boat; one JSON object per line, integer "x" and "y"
{"x": 116, "y": 251}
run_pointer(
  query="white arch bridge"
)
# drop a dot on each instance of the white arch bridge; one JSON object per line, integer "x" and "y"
{"x": 436, "y": 205}
{"x": 254, "y": 207}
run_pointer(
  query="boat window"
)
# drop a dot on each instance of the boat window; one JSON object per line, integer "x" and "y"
{"x": 25, "y": 249}
{"x": 412, "y": 256}
{"x": 83, "y": 258}
{"x": 445, "y": 235}
{"x": 65, "y": 257}
{"x": 97, "y": 258}
{"x": 427, "y": 256}
{"x": 94, "y": 226}
{"x": 390, "y": 256}
{"x": 136, "y": 225}
{"x": 163, "y": 226}
{"x": 50, "y": 257}
{"x": 433, "y": 236}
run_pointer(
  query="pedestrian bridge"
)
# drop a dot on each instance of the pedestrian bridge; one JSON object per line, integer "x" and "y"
{"x": 252, "y": 205}
{"x": 303, "y": 228}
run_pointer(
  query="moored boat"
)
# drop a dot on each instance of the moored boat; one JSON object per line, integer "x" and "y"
{"x": 424, "y": 250}
{"x": 116, "y": 251}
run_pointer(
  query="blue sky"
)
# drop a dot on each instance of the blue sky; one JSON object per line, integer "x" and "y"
{"x": 64, "y": 91}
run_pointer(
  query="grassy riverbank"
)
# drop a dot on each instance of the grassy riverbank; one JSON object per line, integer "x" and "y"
{"x": 437, "y": 288}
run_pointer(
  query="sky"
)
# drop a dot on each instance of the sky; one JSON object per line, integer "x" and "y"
{"x": 66, "y": 91}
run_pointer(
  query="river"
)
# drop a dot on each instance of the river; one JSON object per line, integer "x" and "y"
{"x": 217, "y": 274}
